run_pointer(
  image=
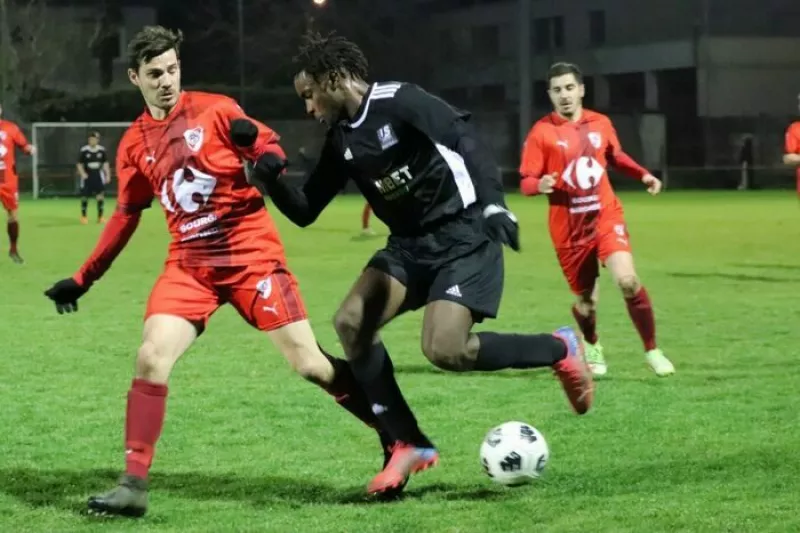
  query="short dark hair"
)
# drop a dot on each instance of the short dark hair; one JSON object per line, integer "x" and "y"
{"x": 94, "y": 133}
{"x": 562, "y": 69}
{"x": 325, "y": 55}
{"x": 150, "y": 42}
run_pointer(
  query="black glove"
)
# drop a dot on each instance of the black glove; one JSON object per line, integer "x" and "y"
{"x": 243, "y": 132}
{"x": 502, "y": 226}
{"x": 65, "y": 294}
{"x": 268, "y": 167}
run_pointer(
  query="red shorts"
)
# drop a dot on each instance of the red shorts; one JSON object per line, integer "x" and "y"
{"x": 266, "y": 296}
{"x": 9, "y": 197}
{"x": 581, "y": 264}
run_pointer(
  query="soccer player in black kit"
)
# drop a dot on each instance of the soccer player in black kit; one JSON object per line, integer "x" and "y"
{"x": 419, "y": 164}
{"x": 95, "y": 171}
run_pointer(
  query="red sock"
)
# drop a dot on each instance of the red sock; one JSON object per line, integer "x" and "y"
{"x": 641, "y": 311}
{"x": 365, "y": 216}
{"x": 587, "y": 324}
{"x": 144, "y": 420}
{"x": 13, "y": 234}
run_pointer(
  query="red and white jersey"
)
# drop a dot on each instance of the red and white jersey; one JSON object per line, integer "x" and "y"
{"x": 188, "y": 163}
{"x": 11, "y": 138}
{"x": 578, "y": 154}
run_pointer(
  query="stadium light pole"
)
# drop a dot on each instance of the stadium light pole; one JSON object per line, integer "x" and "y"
{"x": 240, "y": 16}
{"x": 524, "y": 68}
{"x": 309, "y": 17}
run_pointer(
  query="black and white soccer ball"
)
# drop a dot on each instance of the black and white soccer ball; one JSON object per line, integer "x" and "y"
{"x": 514, "y": 453}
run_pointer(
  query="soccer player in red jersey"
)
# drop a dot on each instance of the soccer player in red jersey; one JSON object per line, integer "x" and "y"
{"x": 565, "y": 156}
{"x": 225, "y": 249}
{"x": 11, "y": 138}
{"x": 791, "y": 157}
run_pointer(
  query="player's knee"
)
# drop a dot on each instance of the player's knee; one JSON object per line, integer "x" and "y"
{"x": 347, "y": 323}
{"x": 585, "y": 307}
{"x": 12, "y": 216}
{"x": 152, "y": 363}
{"x": 313, "y": 371}
{"x": 629, "y": 285}
{"x": 446, "y": 352}
{"x": 310, "y": 364}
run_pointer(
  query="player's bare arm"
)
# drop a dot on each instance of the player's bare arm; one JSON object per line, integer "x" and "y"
{"x": 81, "y": 171}
{"x": 791, "y": 160}
{"x": 791, "y": 156}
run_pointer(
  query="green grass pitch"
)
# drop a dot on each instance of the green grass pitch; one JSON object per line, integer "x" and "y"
{"x": 250, "y": 447}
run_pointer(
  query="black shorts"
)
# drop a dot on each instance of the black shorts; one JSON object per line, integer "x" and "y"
{"x": 456, "y": 262}
{"x": 93, "y": 185}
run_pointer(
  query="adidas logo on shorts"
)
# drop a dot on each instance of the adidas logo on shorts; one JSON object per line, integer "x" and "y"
{"x": 454, "y": 291}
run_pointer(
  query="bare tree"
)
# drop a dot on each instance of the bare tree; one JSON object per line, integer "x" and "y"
{"x": 39, "y": 44}
{"x": 105, "y": 40}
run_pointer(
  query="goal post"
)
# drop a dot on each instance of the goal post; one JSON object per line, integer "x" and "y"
{"x": 57, "y": 147}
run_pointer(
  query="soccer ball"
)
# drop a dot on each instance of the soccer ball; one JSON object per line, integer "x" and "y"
{"x": 514, "y": 453}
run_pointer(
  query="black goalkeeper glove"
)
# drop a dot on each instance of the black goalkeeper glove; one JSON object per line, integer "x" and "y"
{"x": 268, "y": 167}
{"x": 65, "y": 294}
{"x": 502, "y": 226}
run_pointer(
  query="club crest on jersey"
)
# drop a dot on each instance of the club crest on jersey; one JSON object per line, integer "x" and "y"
{"x": 194, "y": 138}
{"x": 264, "y": 288}
{"x": 2, "y": 136}
{"x": 595, "y": 139}
{"x": 386, "y": 137}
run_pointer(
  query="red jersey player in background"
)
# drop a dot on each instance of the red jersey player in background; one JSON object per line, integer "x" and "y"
{"x": 225, "y": 249}
{"x": 11, "y": 138}
{"x": 791, "y": 157}
{"x": 565, "y": 157}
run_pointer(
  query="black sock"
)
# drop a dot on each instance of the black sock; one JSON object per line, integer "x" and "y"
{"x": 348, "y": 393}
{"x": 100, "y": 208}
{"x": 84, "y": 206}
{"x": 509, "y": 350}
{"x": 375, "y": 374}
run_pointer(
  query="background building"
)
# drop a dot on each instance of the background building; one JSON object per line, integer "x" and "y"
{"x": 714, "y": 69}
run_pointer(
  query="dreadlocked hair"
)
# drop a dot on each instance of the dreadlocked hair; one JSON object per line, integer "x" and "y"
{"x": 321, "y": 56}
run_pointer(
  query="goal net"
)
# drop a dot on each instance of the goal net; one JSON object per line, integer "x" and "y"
{"x": 58, "y": 145}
